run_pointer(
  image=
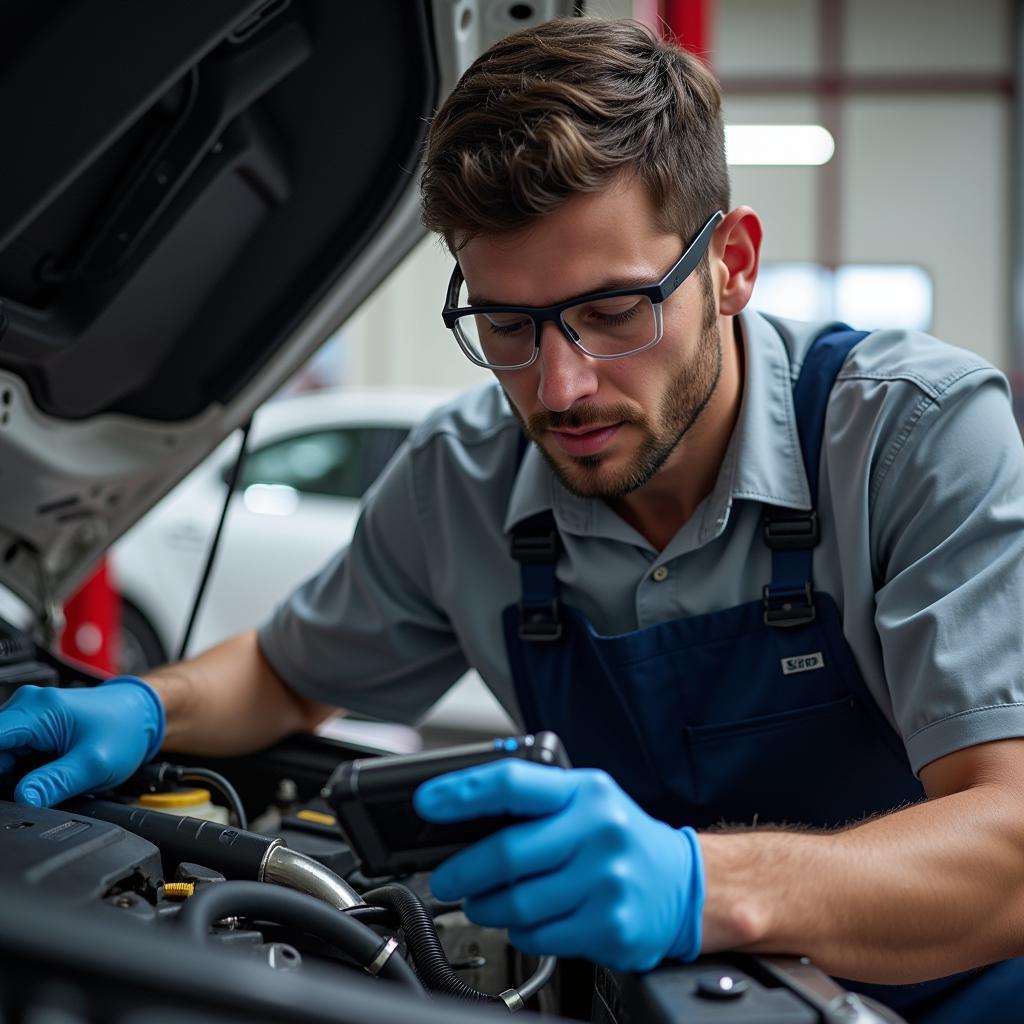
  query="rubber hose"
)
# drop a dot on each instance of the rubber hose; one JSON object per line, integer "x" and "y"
{"x": 296, "y": 910}
{"x": 423, "y": 943}
{"x": 373, "y": 915}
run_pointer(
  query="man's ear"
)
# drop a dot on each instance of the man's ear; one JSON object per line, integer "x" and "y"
{"x": 735, "y": 257}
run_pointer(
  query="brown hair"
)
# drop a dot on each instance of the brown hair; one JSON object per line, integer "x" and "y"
{"x": 564, "y": 107}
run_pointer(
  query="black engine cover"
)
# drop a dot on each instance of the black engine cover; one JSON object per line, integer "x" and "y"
{"x": 74, "y": 858}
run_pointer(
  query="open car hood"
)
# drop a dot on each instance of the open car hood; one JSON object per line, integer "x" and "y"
{"x": 193, "y": 196}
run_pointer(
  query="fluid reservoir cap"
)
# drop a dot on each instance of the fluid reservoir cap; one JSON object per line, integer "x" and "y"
{"x": 176, "y": 798}
{"x": 721, "y": 986}
{"x": 317, "y": 817}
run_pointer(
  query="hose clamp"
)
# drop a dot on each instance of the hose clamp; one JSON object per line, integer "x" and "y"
{"x": 376, "y": 965}
{"x": 275, "y": 845}
{"x": 512, "y": 999}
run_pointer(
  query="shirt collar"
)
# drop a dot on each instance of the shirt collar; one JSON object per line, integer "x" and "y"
{"x": 762, "y": 462}
{"x": 770, "y": 466}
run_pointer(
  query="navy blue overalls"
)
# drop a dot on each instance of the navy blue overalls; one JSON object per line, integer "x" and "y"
{"x": 756, "y": 713}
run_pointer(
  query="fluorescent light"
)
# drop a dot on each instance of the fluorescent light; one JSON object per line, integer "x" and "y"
{"x": 789, "y": 144}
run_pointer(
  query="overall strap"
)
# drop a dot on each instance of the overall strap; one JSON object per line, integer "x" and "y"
{"x": 790, "y": 533}
{"x": 536, "y": 546}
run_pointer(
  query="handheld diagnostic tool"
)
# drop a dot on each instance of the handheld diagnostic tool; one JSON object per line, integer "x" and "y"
{"x": 372, "y": 798}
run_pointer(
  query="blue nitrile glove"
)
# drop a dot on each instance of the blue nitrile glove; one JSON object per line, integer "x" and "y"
{"x": 101, "y": 733}
{"x": 593, "y": 876}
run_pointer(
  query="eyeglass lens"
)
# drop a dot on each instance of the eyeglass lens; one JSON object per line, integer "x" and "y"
{"x": 604, "y": 327}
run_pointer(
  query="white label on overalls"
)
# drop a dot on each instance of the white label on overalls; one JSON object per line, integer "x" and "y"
{"x": 802, "y": 663}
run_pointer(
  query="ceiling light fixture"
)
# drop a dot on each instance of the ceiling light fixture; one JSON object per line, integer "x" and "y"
{"x": 778, "y": 144}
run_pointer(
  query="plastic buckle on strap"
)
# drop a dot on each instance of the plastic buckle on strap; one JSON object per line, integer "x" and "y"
{"x": 535, "y": 548}
{"x": 540, "y": 624}
{"x": 785, "y": 607}
{"x": 787, "y": 529}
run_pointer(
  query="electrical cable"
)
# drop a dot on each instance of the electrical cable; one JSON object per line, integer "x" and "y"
{"x": 372, "y": 915}
{"x": 162, "y": 773}
{"x": 222, "y": 785}
{"x": 212, "y": 903}
{"x": 236, "y": 472}
{"x": 388, "y": 916}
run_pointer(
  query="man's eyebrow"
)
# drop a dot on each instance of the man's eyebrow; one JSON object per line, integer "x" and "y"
{"x": 611, "y": 285}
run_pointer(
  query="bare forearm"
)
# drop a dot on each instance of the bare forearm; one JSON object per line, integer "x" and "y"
{"x": 228, "y": 700}
{"x": 927, "y": 891}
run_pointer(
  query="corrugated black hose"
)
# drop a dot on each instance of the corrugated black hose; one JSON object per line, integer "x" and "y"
{"x": 423, "y": 943}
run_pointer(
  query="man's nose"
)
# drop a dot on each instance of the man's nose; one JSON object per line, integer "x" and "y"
{"x": 567, "y": 374}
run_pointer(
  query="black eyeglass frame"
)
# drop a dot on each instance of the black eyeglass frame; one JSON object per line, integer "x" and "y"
{"x": 657, "y": 293}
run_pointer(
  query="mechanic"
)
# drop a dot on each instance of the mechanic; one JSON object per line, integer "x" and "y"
{"x": 847, "y": 743}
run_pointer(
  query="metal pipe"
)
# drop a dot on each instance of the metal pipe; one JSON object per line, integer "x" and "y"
{"x": 297, "y": 871}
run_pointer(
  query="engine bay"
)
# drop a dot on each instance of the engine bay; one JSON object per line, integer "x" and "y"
{"x": 227, "y": 890}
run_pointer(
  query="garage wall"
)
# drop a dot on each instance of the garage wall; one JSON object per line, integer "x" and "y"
{"x": 920, "y": 175}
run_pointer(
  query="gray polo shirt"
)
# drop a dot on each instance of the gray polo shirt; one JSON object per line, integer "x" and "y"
{"x": 922, "y": 508}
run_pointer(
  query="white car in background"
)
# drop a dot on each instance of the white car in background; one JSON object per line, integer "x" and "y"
{"x": 311, "y": 458}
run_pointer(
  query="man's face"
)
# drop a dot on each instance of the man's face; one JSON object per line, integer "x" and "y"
{"x": 605, "y": 426}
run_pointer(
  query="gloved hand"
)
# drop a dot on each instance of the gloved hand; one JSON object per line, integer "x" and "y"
{"x": 102, "y": 735}
{"x": 592, "y": 876}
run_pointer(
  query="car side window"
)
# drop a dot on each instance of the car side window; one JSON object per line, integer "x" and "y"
{"x": 339, "y": 463}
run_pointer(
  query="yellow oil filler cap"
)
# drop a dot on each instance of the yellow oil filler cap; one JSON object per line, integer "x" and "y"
{"x": 186, "y": 803}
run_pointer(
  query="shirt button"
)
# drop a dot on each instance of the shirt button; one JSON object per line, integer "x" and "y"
{"x": 660, "y": 574}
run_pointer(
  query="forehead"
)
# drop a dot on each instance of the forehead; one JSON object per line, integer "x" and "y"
{"x": 592, "y": 242}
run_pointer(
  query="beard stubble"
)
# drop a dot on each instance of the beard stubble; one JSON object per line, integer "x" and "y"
{"x": 685, "y": 398}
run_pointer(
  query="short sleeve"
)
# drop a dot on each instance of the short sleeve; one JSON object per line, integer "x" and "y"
{"x": 365, "y": 633}
{"x": 948, "y": 533}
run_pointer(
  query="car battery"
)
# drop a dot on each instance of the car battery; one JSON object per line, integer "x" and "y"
{"x": 731, "y": 989}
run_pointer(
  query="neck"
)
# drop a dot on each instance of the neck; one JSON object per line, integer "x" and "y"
{"x": 661, "y": 508}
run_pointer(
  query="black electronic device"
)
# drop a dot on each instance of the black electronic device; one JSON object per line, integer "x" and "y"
{"x": 372, "y": 798}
